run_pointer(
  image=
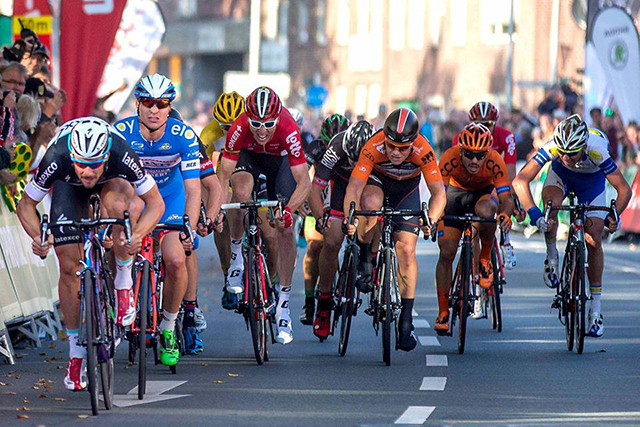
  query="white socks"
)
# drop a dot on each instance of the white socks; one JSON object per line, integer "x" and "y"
{"x": 75, "y": 350}
{"x": 283, "y": 316}
{"x": 168, "y": 321}
{"x": 236, "y": 252}
{"x": 123, "y": 278}
{"x": 552, "y": 250}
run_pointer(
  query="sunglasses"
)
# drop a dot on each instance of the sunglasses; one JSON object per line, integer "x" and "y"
{"x": 93, "y": 166}
{"x": 487, "y": 123}
{"x": 571, "y": 154}
{"x": 256, "y": 124}
{"x": 400, "y": 148}
{"x": 160, "y": 103}
{"x": 479, "y": 155}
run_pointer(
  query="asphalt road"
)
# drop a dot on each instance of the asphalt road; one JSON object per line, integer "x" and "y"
{"x": 522, "y": 376}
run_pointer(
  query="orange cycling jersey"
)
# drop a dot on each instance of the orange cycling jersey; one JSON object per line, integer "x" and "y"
{"x": 493, "y": 172}
{"x": 374, "y": 158}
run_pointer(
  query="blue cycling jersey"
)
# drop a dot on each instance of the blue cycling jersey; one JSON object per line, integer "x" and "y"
{"x": 171, "y": 159}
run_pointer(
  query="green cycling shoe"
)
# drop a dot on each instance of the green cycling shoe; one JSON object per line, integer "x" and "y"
{"x": 169, "y": 352}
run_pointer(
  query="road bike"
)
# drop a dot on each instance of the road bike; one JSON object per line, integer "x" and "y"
{"x": 385, "y": 302}
{"x": 97, "y": 330}
{"x": 571, "y": 294}
{"x": 259, "y": 302}
{"x": 490, "y": 298}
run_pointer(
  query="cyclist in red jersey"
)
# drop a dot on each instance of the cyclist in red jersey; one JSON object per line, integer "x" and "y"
{"x": 504, "y": 142}
{"x": 266, "y": 140}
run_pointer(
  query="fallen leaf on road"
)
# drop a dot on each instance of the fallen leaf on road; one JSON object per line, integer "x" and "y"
{"x": 234, "y": 375}
{"x": 16, "y": 376}
{"x": 23, "y": 408}
{"x": 4, "y": 384}
{"x": 217, "y": 382}
{"x": 50, "y": 381}
{"x": 204, "y": 364}
{"x": 19, "y": 355}
{"x": 59, "y": 367}
{"x": 26, "y": 400}
{"x": 42, "y": 396}
{"x": 60, "y": 399}
{"x": 43, "y": 353}
{"x": 9, "y": 393}
{"x": 48, "y": 387}
{"x": 35, "y": 387}
{"x": 42, "y": 381}
{"x": 23, "y": 416}
{"x": 82, "y": 416}
{"x": 52, "y": 345}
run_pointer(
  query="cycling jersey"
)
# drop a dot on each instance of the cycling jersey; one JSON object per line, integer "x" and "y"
{"x": 493, "y": 172}
{"x": 373, "y": 158}
{"x": 285, "y": 141}
{"x": 314, "y": 151}
{"x": 503, "y": 142}
{"x": 209, "y": 135}
{"x": 56, "y": 165}
{"x": 206, "y": 165}
{"x": 334, "y": 164}
{"x": 595, "y": 156}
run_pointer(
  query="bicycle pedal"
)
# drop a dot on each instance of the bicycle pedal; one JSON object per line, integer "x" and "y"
{"x": 369, "y": 311}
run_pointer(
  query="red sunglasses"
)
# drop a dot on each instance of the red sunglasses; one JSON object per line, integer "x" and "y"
{"x": 89, "y": 165}
{"x": 160, "y": 103}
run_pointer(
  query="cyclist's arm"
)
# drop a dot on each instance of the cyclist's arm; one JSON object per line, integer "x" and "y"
{"x": 192, "y": 204}
{"x": 353, "y": 193}
{"x": 511, "y": 171}
{"x": 227, "y": 166}
{"x": 153, "y": 210}
{"x": 315, "y": 199}
{"x": 521, "y": 183}
{"x": 506, "y": 203}
{"x": 617, "y": 180}
{"x": 28, "y": 216}
{"x": 437, "y": 201}
{"x": 303, "y": 186}
{"x": 214, "y": 195}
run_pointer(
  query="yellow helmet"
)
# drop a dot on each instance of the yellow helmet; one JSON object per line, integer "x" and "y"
{"x": 228, "y": 107}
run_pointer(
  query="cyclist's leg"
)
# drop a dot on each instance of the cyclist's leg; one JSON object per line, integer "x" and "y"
{"x": 372, "y": 199}
{"x": 448, "y": 238}
{"x": 407, "y": 276}
{"x": 553, "y": 190}
{"x": 594, "y": 225}
{"x": 310, "y": 271}
{"x": 486, "y": 207}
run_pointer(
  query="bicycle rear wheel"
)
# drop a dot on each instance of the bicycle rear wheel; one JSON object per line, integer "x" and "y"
{"x": 90, "y": 335}
{"x": 347, "y": 290}
{"x": 387, "y": 309}
{"x": 580, "y": 298}
{"x": 496, "y": 289}
{"x": 143, "y": 310}
{"x": 465, "y": 283}
{"x": 568, "y": 307}
{"x": 107, "y": 327}
{"x": 255, "y": 303}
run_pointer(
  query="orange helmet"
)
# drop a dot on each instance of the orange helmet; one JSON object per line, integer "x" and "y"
{"x": 475, "y": 137}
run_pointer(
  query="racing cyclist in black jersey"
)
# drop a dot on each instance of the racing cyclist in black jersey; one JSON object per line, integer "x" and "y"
{"x": 87, "y": 156}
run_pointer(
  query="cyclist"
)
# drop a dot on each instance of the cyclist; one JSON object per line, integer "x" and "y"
{"x": 331, "y": 126}
{"x": 504, "y": 142}
{"x": 334, "y": 169}
{"x": 87, "y": 156}
{"x": 477, "y": 182}
{"x": 265, "y": 139}
{"x": 389, "y": 166}
{"x": 580, "y": 162}
{"x": 194, "y": 321}
{"x": 226, "y": 110}
{"x": 169, "y": 152}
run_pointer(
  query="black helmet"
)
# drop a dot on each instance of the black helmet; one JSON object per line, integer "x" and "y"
{"x": 333, "y": 124}
{"x": 355, "y": 137}
{"x": 401, "y": 126}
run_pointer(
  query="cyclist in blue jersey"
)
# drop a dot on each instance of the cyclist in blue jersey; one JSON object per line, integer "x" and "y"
{"x": 168, "y": 150}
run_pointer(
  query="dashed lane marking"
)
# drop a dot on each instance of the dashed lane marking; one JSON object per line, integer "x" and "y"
{"x": 429, "y": 341}
{"x": 437, "y": 360}
{"x": 414, "y": 313}
{"x": 433, "y": 383}
{"x": 421, "y": 323}
{"x": 415, "y": 415}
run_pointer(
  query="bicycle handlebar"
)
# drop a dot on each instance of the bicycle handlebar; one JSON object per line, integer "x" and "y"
{"x": 252, "y": 205}
{"x": 84, "y": 224}
{"x": 386, "y": 212}
{"x": 612, "y": 209}
{"x": 185, "y": 227}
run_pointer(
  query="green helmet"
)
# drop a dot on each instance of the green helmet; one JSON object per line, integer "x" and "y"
{"x": 333, "y": 124}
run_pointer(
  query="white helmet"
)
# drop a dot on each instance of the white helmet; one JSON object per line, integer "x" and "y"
{"x": 155, "y": 86}
{"x": 571, "y": 134}
{"x": 297, "y": 116}
{"x": 90, "y": 140}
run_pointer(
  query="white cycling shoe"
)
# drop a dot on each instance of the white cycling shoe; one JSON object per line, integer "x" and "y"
{"x": 550, "y": 273}
{"x": 597, "y": 324}
{"x": 509, "y": 257}
{"x": 283, "y": 321}
{"x": 235, "y": 282}
{"x": 478, "y": 308}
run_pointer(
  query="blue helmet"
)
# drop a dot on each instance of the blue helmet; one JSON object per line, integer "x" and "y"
{"x": 155, "y": 86}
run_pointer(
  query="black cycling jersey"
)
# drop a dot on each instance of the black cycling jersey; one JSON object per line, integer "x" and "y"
{"x": 56, "y": 165}
{"x": 335, "y": 164}
{"x": 314, "y": 151}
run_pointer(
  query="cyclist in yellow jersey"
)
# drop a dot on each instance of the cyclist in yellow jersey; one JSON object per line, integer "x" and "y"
{"x": 226, "y": 109}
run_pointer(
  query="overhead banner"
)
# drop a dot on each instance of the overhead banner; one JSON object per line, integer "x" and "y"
{"x": 87, "y": 32}
{"x": 139, "y": 36}
{"x": 615, "y": 40}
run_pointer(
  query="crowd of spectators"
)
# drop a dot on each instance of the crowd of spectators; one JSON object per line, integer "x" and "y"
{"x": 29, "y": 104}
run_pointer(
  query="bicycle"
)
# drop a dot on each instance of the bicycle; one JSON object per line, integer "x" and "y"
{"x": 149, "y": 269}
{"x": 571, "y": 294}
{"x": 97, "y": 331}
{"x": 461, "y": 292}
{"x": 385, "y": 303}
{"x": 490, "y": 297}
{"x": 259, "y": 300}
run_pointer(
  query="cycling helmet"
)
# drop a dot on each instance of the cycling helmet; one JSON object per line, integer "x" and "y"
{"x": 90, "y": 140}
{"x": 483, "y": 112}
{"x": 228, "y": 107}
{"x": 401, "y": 126}
{"x": 297, "y": 116}
{"x": 571, "y": 134}
{"x": 263, "y": 104}
{"x": 155, "y": 86}
{"x": 332, "y": 125}
{"x": 475, "y": 137}
{"x": 356, "y": 136}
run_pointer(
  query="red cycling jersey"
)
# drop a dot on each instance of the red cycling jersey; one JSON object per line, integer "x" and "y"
{"x": 286, "y": 139}
{"x": 503, "y": 142}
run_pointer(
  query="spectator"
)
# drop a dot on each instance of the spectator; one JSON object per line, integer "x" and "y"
{"x": 613, "y": 131}
{"x": 449, "y": 131}
{"x": 14, "y": 78}
{"x": 35, "y": 59}
{"x": 630, "y": 143}
{"x": 378, "y": 121}
{"x": 596, "y": 118}
{"x": 13, "y": 83}
{"x": 542, "y": 134}
{"x": 426, "y": 129}
{"x": 29, "y": 113}
{"x": 6, "y": 155}
{"x": 554, "y": 99}
{"x": 558, "y": 116}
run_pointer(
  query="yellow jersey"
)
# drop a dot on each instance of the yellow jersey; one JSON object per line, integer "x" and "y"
{"x": 209, "y": 135}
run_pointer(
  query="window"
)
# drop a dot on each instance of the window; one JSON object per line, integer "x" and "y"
{"x": 187, "y": 8}
{"x": 362, "y": 9}
{"x": 436, "y": 13}
{"x": 341, "y": 99}
{"x": 494, "y": 20}
{"x": 270, "y": 22}
{"x": 360, "y": 106}
{"x": 321, "y": 22}
{"x": 459, "y": 22}
{"x": 373, "y": 103}
{"x": 283, "y": 19}
{"x": 415, "y": 24}
{"x": 397, "y": 28}
{"x": 303, "y": 22}
{"x": 342, "y": 33}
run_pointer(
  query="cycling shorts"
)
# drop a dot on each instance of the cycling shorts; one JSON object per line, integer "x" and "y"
{"x": 460, "y": 202}
{"x": 174, "y": 206}
{"x": 69, "y": 202}
{"x": 279, "y": 179}
{"x": 403, "y": 194}
{"x": 588, "y": 187}
{"x": 338, "y": 192}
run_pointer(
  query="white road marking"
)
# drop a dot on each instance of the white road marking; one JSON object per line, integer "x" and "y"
{"x": 437, "y": 360}
{"x": 429, "y": 341}
{"x": 421, "y": 323}
{"x": 415, "y": 415}
{"x": 414, "y": 313}
{"x": 433, "y": 383}
{"x": 153, "y": 394}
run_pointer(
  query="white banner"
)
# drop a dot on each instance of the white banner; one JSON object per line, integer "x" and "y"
{"x": 615, "y": 39}
{"x": 138, "y": 37}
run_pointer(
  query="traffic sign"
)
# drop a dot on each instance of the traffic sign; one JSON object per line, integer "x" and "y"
{"x": 316, "y": 95}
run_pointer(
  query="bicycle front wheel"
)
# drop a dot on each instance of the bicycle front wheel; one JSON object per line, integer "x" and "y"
{"x": 90, "y": 335}
{"x": 143, "y": 310}
{"x": 496, "y": 289}
{"x": 580, "y": 298}
{"x": 347, "y": 290}
{"x": 465, "y": 284}
{"x": 387, "y": 308}
{"x": 568, "y": 306}
{"x": 255, "y": 303}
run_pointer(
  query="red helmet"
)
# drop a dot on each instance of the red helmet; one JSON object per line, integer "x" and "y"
{"x": 263, "y": 104}
{"x": 483, "y": 112}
